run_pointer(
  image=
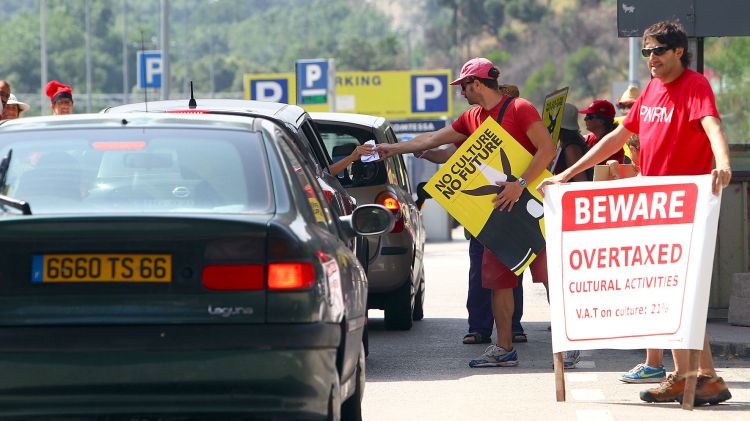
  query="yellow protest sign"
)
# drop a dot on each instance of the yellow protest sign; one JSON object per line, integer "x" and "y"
{"x": 465, "y": 187}
{"x": 553, "y": 110}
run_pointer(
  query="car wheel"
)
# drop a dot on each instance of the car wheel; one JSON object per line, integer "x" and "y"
{"x": 399, "y": 308}
{"x": 418, "y": 313}
{"x": 351, "y": 409}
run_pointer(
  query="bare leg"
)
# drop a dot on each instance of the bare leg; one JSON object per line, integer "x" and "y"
{"x": 502, "y": 309}
{"x": 654, "y": 357}
{"x": 705, "y": 366}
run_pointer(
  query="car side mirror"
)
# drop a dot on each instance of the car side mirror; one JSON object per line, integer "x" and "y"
{"x": 369, "y": 220}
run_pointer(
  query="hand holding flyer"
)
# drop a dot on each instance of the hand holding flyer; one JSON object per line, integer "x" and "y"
{"x": 374, "y": 156}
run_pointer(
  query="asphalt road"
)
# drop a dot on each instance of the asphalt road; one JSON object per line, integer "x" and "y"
{"x": 424, "y": 374}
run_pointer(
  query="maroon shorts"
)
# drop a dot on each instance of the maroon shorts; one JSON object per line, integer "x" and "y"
{"x": 495, "y": 275}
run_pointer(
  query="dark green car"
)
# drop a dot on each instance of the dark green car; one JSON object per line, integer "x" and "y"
{"x": 174, "y": 265}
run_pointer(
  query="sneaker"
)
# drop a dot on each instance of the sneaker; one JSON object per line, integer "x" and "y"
{"x": 571, "y": 358}
{"x": 495, "y": 356}
{"x": 670, "y": 390}
{"x": 710, "y": 390}
{"x": 643, "y": 373}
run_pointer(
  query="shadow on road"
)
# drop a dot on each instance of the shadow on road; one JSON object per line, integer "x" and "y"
{"x": 432, "y": 350}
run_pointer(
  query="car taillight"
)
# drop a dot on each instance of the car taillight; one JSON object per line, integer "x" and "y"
{"x": 188, "y": 111}
{"x": 234, "y": 277}
{"x": 280, "y": 276}
{"x": 390, "y": 202}
{"x": 286, "y": 276}
{"x": 117, "y": 145}
{"x": 329, "y": 196}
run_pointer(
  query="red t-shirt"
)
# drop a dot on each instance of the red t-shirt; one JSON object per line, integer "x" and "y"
{"x": 618, "y": 156}
{"x": 667, "y": 121}
{"x": 519, "y": 116}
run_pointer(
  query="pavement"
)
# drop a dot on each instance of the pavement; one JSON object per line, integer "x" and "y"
{"x": 727, "y": 341}
{"x": 423, "y": 373}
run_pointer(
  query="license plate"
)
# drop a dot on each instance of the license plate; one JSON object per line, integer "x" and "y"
{"x": 101, "y": 268}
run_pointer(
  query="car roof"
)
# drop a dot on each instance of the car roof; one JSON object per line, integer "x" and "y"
{"x": 83, "y": 121}
{"x": 285, "y": 112}
{"x": 349, "y": 118}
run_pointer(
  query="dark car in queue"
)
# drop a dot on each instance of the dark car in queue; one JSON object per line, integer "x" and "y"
{"x": 296, "y": 121}
{"x": 395, "y": 261}
{"x": 166, "y": 264}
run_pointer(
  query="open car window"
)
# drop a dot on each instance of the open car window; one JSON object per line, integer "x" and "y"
{"x": 340, "y": 142}
{"x": 136, "y": 170}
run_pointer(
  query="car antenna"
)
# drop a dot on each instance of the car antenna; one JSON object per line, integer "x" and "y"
{"x": 192, "y": 104}
{"x": 145, "y": 90}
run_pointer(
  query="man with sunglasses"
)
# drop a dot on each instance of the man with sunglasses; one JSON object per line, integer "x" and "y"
{"x": 680, "y": 134}
{"x": 478, "y": 81}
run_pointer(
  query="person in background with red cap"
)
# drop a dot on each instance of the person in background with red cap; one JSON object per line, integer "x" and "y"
{"x": 600, "y": 120}
{"x": 478, "y": 81}
{"x": 61, "y": 97}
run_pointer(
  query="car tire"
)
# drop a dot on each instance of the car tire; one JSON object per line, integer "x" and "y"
{"x": 418, "y": 313}
{"x": 399, "y": 308}
{"x": 351, "y": 409}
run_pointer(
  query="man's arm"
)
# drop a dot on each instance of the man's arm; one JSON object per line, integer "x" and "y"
{"x": 438, "y": 156}
{"x": 545, "y": 152}
{"x": 610, "y": 144}
{"x": 722, "y": 174}
{"x": 421, "y": 142}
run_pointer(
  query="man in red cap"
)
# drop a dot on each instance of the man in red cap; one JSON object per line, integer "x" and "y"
{"x": 61, "y": 97}
{"x": 600, "y": 120}
{"x": 478, "y": 81}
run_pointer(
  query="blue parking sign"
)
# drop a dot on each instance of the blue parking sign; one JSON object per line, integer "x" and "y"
{"x": 312, "y": 81}
{"x": 272, "y": 90}
{"x": 429, "y": 93}
{"x": 149, "y": 69}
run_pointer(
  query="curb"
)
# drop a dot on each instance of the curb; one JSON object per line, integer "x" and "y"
{"x": 730, "y": 350}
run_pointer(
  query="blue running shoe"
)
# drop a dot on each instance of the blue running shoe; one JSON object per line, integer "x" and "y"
{"x": 643, "y": 373}
{"x": 571, "y": 358}
{"x": 495, "y": 356}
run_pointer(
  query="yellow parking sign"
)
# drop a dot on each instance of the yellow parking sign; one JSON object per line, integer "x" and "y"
{"x": 391, "y": 94}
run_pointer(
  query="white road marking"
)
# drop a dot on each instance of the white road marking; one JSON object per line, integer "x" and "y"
{"x": 581, "y": 377}
{"x": 593, "y": 415}
{"x": 587, "y": 394}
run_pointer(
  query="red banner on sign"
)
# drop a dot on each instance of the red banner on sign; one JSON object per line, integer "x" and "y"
{"x": 629, "y": 207}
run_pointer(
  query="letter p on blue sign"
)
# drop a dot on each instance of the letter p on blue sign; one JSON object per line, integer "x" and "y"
{"x": 149, "y": 69}
{"x": 429, "y": 93}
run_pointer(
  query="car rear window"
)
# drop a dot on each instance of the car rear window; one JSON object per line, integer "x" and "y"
{"x": 137, "y": 170}
{"x": 340, "y": 142}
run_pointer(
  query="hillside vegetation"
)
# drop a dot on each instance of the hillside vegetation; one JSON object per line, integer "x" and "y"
{"x": 539, "y": 45}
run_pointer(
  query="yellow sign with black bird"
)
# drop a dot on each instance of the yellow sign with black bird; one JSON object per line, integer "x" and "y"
{"x": 466, "y": 185}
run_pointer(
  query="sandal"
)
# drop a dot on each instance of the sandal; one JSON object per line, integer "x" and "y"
{"x": 519, "y": 337}
{"x": 476, "y": 338}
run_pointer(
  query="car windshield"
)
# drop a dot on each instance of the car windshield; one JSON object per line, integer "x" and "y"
{"x": 137, "y": 170}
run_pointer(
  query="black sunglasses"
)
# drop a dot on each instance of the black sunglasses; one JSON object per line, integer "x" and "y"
{"x": 624, "y": 106}
{"x": 466, "y": 82}
{"x": 658, "y": 51}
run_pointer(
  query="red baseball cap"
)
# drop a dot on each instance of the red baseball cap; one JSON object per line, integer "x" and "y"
{"x": 601, "y": 107}
{"x": 56, "y": 90}
{"x": 478, "y": 67}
